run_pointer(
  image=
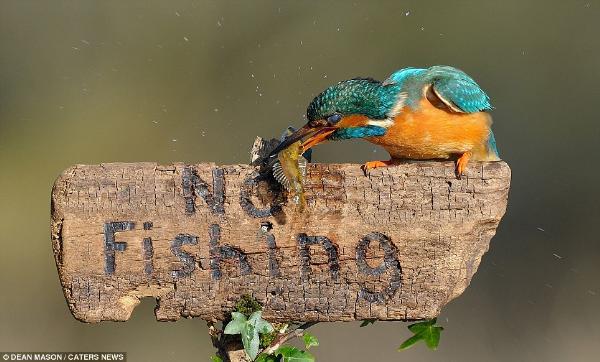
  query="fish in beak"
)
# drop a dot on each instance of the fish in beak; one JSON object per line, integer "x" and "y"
{"x": 309, "y": 136}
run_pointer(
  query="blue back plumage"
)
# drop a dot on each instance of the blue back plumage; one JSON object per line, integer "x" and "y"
{"x": 409, "y": 81}
{"x": 453, "y": 86}
{"x": 401, "y": 76}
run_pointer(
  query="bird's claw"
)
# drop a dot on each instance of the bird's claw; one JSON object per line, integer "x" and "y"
{"x": 461, "y": 164}
{"x": 374, "y": 164}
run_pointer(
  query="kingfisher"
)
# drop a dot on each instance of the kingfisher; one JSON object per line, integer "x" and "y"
{"x": 415, "y": 114}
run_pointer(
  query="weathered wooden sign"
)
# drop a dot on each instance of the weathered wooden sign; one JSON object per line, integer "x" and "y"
{"x": 397, "y": 244}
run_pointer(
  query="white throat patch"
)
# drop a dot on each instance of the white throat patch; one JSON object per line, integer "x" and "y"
{"x": 400, "y": 102}
{"x": 385, "y": 123}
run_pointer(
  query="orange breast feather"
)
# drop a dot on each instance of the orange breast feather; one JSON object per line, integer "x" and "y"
{"x": 431, "y": 132}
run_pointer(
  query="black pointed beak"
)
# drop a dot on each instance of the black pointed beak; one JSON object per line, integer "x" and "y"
{"x": 310, "y": 136}
{"x": 298, "y": 135}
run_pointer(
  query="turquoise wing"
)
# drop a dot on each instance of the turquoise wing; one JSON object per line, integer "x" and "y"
{"x": 401, "y": 76}
{"x": 457, "y": 90}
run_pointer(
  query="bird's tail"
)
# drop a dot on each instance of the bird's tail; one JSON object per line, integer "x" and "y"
{"x": 492, "y": 148}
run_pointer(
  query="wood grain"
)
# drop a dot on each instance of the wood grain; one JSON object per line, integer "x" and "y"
{"x": 397, "y": 244}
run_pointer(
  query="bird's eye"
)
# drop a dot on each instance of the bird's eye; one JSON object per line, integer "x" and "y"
{"x": 334, "y": 118}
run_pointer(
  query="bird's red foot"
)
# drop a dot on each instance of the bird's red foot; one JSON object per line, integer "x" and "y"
{"x": 461, "y": 164}
{"x": 375, "y": 164}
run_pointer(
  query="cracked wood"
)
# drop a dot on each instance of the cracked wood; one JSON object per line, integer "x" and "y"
{"x": 397, "y": 244}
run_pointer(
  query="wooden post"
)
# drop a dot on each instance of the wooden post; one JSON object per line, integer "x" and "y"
{"x": 397, "y": 244}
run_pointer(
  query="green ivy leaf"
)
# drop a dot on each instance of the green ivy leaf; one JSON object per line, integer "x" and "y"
{"x": 250, "y": 340}
{"x": 426, "y": 331}
{"x": 309, "y": 340}
{"x": 266, "y": 358}
{"x": 432, "y": 339}
{"x": 293, "y": 354}
{"x": 409, "y": 342}
{"x": 216, "y": 359}
{"x": 366, "y": 322}
{"x": 237, "y": 323}
{"x": 249, "y": 330}
{"x": 261, "y": 325}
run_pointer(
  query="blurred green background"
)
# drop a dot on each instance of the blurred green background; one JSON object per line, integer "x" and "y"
{"x": 102, "y": 81}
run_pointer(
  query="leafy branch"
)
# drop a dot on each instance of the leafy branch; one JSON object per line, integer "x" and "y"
{"x": 309, "y": 340}
{"x": 286, "y": 354}
{"x": 424, "y": 331}
{"x": 264, "y": 342}
{"x": 261, "y": 340}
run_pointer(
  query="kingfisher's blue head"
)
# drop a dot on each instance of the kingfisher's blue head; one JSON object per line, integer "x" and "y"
{"x": 354, "y": 108}
{"x": 359, "y": 96}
